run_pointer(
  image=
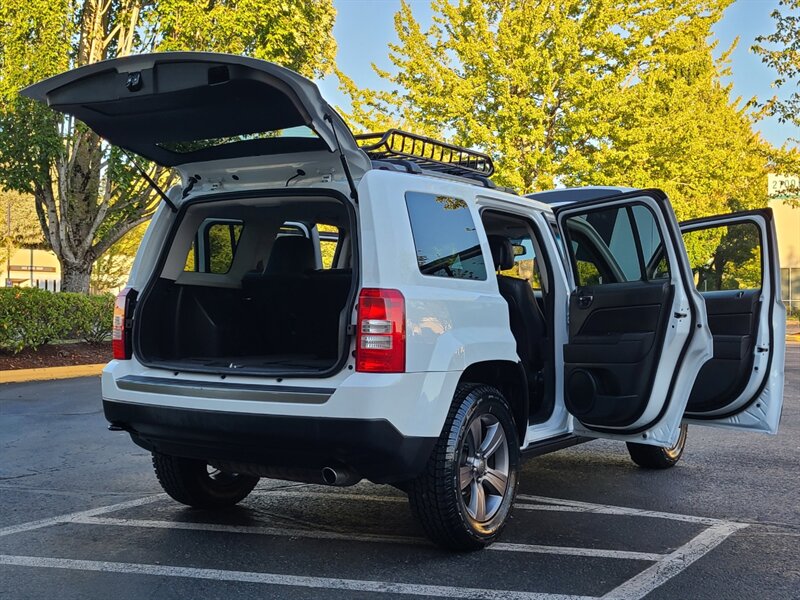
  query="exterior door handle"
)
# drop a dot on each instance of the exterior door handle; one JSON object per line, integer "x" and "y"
{"x": 585, "y": 301}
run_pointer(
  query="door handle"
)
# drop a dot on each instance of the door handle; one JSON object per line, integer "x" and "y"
{"x": 585, "y": 301}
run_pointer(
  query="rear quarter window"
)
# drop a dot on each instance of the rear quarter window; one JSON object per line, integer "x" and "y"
{"x": 445, "y": 237}
{"x": 214, "y": 247}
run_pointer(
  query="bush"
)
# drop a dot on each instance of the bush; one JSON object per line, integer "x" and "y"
{"x": 30, "y": 318}
{"x": 95, "y": 317}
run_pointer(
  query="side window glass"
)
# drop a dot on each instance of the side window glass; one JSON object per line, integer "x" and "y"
{"x": 192, "y": 264}
{"x": 525, "y": 266}
{"x": 603, "y": 247}
{"x": 588, "y": 271}
{"x": 649, "y": 235}
{"x": 214, "y": 247}
{"x": 329, "y": 236}
{"x": 616, "y": 245}
{"x": 622, "y": 243}
{"x": 223, "y": 239}
{"x": 445, "y": 237}
{"x": 726, "y": 257}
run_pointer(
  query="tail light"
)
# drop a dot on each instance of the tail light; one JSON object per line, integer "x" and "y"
{"x": 381, "y": 334}
{"x": 121, "y": 325}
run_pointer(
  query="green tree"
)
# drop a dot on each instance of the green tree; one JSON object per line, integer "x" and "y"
{"x": 111, "y": 269}
{"x": 780, "y": 50}
{"x": 577, "y": 92}
{"x": 677, "y": 129}
{"x": 87, "y": 195}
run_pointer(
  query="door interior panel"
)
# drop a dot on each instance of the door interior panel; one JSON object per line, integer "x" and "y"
{"x": 733, "y": 319}
{"x": 615, "y": 336}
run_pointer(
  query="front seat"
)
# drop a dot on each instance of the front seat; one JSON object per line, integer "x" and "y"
{"x": 527, "y": 321}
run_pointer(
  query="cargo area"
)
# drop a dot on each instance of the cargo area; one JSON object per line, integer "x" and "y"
{"x": 260, "y": 285}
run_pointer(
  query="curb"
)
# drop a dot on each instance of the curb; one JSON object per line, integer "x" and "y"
{"x": 24, "y": 375}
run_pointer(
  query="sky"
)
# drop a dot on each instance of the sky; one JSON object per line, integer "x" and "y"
{"x": 364, "y": 28}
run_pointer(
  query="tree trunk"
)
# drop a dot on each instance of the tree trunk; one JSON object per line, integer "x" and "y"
{"x": 75, "y": 276}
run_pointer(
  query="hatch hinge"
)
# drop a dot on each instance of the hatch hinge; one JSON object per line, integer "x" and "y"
{"x": 343, "y": 158}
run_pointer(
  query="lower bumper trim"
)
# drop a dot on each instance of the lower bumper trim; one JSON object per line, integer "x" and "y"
{"x": 374, "y": 448}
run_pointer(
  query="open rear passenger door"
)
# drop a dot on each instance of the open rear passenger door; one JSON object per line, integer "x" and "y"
{"x": 734, "y": 259}
{"x": 637, "y": 336}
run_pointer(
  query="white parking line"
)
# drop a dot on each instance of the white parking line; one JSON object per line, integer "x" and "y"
{"x": 361, "y": 537}
{"x": 334, "y": 495}
{"x": 665, "y": 567}
{"x": 327, "y": 583}
{"x": 31, "y": 525}
{"x": 609, "y": 509}
{"x": 543, "y": 503}
{"x": 570, "y": 551}
{"x": 640, "y": 585}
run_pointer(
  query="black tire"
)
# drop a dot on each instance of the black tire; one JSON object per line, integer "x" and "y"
{"x": 438, "y": 497}
{"x": 191, "y": 482}
{"x": 656, "y": 457}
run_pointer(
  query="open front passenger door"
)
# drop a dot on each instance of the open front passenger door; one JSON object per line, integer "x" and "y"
{"x": 638, "y": 336}
{"x": 734, "y": 259}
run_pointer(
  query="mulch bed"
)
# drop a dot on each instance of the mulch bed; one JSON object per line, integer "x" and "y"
{"x": 57, "y": 355}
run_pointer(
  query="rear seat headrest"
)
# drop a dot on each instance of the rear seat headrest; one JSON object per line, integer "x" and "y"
{"x": 291, "y": 254}
{"x": 502, "y": 252}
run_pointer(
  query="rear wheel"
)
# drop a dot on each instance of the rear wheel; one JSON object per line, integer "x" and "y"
{"x": 464, "y": 496}
{"x": 656, "y": 457}
{"x": 195, "y": 483}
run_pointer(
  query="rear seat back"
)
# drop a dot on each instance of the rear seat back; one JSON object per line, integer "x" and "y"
{"x": 294, "y": 307}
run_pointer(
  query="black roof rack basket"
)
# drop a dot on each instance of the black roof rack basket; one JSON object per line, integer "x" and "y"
{"x": 428, "y": 153}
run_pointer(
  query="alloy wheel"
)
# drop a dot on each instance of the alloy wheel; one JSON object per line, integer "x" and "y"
{"x": 484, "y": 467}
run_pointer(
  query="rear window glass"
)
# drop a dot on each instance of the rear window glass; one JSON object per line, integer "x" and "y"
{"x": 194, "y": 145}
{"x": 445, "y": 237}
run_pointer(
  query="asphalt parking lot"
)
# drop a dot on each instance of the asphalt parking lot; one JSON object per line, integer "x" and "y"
{"x": 83, "y": 517}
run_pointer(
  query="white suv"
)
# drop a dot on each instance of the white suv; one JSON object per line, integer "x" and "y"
{"x": 315, "y": 307}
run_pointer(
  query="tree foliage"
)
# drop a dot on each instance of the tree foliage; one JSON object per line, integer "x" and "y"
{"x": 87, "y": 195}
{"x": 780, "y": 50}
{"x": 111, "y": 269}
{"x": 577, "y": 92}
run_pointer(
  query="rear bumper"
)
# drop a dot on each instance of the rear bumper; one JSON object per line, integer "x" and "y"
{"x": 373, "y": 448}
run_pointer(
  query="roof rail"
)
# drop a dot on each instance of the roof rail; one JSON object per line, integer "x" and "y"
{"x": 432, "y": 155}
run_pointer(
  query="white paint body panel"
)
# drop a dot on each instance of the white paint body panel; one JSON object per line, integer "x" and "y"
{"x": 412, "y": 402}
{"x": 451, "y": 324}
